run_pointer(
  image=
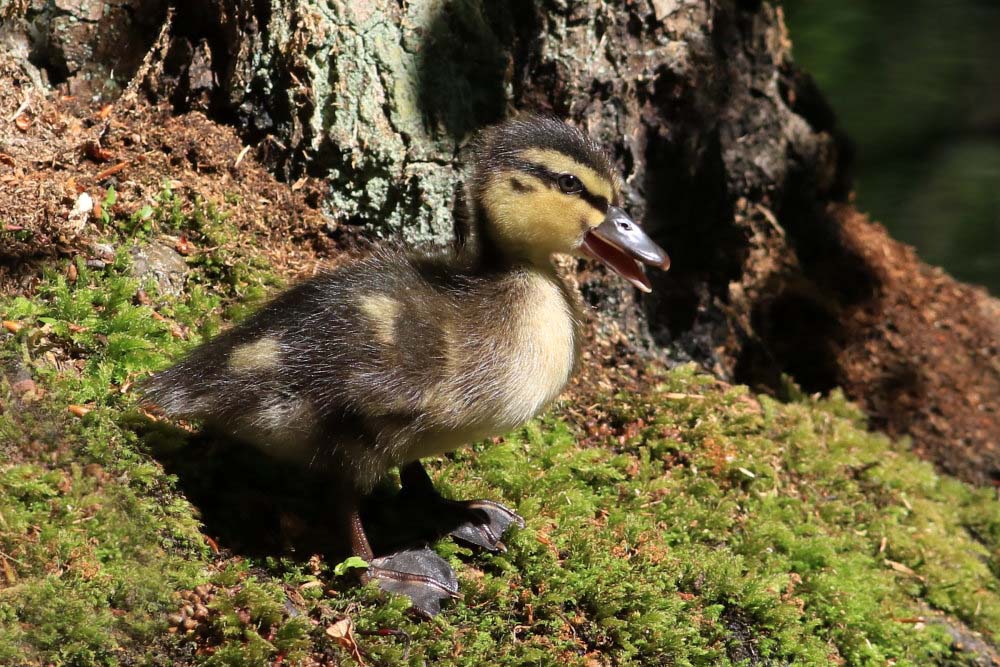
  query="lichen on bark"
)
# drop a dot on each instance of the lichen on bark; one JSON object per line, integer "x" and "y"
{"x": 364, "y": 97}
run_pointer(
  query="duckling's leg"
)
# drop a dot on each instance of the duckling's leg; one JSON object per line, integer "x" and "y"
{"x": 420, "y": 574}
{"x": 478, "y": 522}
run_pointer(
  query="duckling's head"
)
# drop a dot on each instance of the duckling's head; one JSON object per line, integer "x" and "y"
{"x": 541, "y": 187}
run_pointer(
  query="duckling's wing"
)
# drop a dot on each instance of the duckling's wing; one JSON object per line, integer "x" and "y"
{"x": 231, "y": 368}
{"x": 364, "y": 345}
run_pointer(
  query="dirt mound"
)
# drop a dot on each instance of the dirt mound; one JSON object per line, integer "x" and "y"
{"x": 923, "y": 355}
{"x": 60, "y": 155}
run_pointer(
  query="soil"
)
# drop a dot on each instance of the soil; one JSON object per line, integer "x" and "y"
{"x": 60, "y": 150}
{"x": 922, "y": 355}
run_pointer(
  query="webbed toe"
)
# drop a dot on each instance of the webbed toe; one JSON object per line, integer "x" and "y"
{"x": 485, "y": 523}
{"x": 419, "y": 574}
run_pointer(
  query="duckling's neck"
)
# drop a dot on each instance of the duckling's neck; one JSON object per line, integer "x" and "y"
{"x": 483, "y": 253}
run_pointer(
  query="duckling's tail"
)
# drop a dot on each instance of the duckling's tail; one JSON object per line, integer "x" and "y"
{"x": 178, "y": 391}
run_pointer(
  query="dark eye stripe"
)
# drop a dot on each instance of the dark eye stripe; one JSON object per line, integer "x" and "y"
{"x": 597, "y": 201}
{"x": 551, "y": 177}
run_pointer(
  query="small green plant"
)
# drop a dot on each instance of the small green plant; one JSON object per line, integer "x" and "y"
{"x": 352, "y": 563}
{"x": 110, "y": 197}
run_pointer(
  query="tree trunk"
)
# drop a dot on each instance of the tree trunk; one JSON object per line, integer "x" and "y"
{"x": 731, "y": 157}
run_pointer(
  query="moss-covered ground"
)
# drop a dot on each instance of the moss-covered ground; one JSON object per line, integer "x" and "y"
{"x": 703, "y": 526}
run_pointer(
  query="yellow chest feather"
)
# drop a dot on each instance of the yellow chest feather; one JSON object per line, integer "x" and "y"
{"x": 515, "y": 380}
{"x": 544, "y": 350}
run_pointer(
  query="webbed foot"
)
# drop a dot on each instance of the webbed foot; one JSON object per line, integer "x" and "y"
{"x": 419, "y": 574}
{"x": 483, "y": 522}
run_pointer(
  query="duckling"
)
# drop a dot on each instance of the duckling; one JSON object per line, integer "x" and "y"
{"x": 401, "y": 356}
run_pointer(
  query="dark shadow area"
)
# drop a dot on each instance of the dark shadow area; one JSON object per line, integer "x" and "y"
{"x": 689, "y": 212}
{"x": 796, "y": 335}
{"x": 687, "y": 208}
{"x": 21, "y": 264}
{"x": 205, "y": 68}
{"x": 254, "y": 505}
{"x": 800, "y": 93}
{"x": 818, "y": 240}
{"x": 94, "y": 48}
{"x": 469, "y": 54}
{"x": 742, "y": 642}
{"x": 799, "y": 324}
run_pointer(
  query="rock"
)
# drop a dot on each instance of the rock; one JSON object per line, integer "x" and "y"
{"x": 24, "y": 387}
{"x": 103, "y": 251}
{"x": 161, "y": 263}
{"x": 84, "y": 10}
{"x": 664, "y": 8}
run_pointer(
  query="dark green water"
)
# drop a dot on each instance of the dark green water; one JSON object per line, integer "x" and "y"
{"x": 916, "y": 85}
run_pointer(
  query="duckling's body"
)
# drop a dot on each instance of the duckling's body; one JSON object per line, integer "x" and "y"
{"x": 397, "y": 357}
{"x": 383, "y": 362}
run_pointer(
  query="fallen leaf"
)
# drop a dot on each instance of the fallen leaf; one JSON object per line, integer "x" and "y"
{"x": 96, "y": 152}
{"x": 342, "y": 632}
{"x": 12, "y": 326}
{"x": 110, "y": 171}
{"x": 239, "y": 158}
{"x": 79, "y": 410}
{"x": 65, "y": 484}
{"x": 8, "y": 571}
{"x": 673, "y": 395}
{"x": 23, "y": 122}
{"x": 902, "y": 569}
{"x": 105, "y": 112}
{"x": 7, "y": 160}
{"x": 176, "y": 330}
{"x": 24, "y": 386}
{"x": 341, "y": 629}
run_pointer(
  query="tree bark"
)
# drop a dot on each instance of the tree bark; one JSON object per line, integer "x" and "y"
{"x": 731, "y": 157}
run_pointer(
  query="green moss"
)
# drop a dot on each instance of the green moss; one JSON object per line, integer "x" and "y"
{"x": 711, "y": 528}
{"x": 94, "y": 539}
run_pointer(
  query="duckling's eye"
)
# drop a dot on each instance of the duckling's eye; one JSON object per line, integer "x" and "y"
{"x": 569, "y": 184}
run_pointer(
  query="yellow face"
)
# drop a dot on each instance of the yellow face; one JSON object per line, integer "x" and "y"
{"x": 547, "y": 205}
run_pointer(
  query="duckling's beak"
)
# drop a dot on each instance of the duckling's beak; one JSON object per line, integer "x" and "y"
{"x": 621, "y": 244}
